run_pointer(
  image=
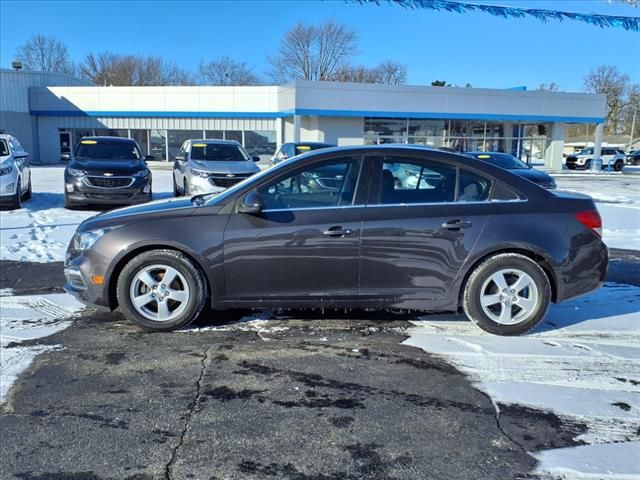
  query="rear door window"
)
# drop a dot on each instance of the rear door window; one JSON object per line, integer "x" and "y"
{"x": 473, "y": 187}
{"x": 407, "y": 181}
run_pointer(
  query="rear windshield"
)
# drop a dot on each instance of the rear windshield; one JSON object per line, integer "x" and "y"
{"x": 106, "y": 150}
{"x": 4, "y": 150}
{"x": 217, "y": 152}
{"x": 502, "y": 160}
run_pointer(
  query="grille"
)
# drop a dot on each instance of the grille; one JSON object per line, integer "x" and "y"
{"x": 105, "y": 196}
{"x": 226, "y": 182}
{"x": 109, "y": 182}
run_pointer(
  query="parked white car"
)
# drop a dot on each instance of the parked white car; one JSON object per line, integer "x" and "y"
{"x": 612, "y": 158}
{"x": 15, "y": 174}
{"x": 210, "y": 166}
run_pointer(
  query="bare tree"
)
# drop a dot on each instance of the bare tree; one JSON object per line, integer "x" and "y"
{"x": 608, "y": 80}
{"x": 391, "y": 72}
{"x": 45, "y": 54}
{"x": 226, "y": 71}
{"x": 440, "y": 83}
{"x": 131, "y": 70}
{"x": 310, "y": 52}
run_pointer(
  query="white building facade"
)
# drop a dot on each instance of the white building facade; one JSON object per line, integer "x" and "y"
{"x": 529, "y": 124}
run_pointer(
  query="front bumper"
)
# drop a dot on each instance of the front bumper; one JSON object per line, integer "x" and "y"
{"x": 214, "y": 183}
{"x": 8, "y": 185}
{"x": 77, "y": 191}
{"x": 82, "y": 271}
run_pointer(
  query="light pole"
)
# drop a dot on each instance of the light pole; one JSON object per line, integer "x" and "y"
{"x": 633, "y": 126}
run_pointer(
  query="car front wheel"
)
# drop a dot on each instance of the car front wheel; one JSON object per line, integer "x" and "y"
{"x": 161, "y": 290}
{"x": 507, "y": 294}
{"x": 618, "y": 166}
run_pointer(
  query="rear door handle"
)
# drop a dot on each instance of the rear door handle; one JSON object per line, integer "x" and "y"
{"x": 456, "y": 224}
{"x": 338, "y": 232}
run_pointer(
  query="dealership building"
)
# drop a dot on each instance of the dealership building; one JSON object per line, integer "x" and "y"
{"x": 50, "y": 113}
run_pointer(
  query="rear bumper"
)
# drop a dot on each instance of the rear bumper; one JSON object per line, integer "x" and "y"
{"x": 584, "y": 271}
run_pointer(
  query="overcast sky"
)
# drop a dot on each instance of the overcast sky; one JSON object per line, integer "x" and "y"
{"x": 480, "y": 49}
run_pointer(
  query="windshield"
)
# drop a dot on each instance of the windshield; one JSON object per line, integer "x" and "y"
{"x": 218, "y": 152}
{"x": 586, "y": 151}
{"x": 300, "y": 149}
{"x": 4, "y": 150}
{"x": 502, "y": 160}
{"x": 107, "y": 150}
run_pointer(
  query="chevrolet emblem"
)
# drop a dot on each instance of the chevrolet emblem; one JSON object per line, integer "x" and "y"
{"x": 108, "y": 174}
{"x": 230, "y": 175}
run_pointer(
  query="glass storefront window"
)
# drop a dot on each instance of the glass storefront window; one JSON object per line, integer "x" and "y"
{"x": 142, "y": 138}
{"x": 214, "y": 134}
{"x": 158, "y": 144}
{"x": 106, "y": 132}
{"x": 260, "y": 143}
{"x": 427, "y": 132}
{"x": 178, "y": 137}
{"x": 385, "y": 130}
{"x": 233, "y": 135}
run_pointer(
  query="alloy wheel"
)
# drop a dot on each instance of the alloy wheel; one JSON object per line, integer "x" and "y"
{"x": 509, "y": 296}
{"x": 159, "y": 293}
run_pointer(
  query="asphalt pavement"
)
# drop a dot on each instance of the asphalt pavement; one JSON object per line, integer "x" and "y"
{"x": 307, "y": 397}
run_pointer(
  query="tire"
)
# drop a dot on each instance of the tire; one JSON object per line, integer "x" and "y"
{"x": 618, "y": 166}
{"x": 160, "y": 314}
{"x": 29, "y": 193}
{"x": 176, "y": 193}
{"x": 587, "y": 165}
{"x": 517, "y": 320}
{"x": 16, "y": 201}
{"x": 185, "y": 188}
{"x": 68, "y": 204}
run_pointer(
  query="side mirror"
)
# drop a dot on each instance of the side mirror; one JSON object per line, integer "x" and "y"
{"x": 149, "y": 158}
{"x": 256, "y": 159}
{"x": 65, "y": 157}
{"x": 251, "y": 204}
{"x": 179, "y": 158}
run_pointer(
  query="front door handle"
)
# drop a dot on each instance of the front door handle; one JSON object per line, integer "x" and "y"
{"x": 338, "y": 232}
{"x": 456, "y": 224}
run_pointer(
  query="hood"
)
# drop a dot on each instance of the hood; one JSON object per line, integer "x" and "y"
{"x": 99, "y": 167}
{"x": 533, "y": 175}
{"x": 157, "y": 208}
{"x": 5, "y": 161}
{"x": 236, "y": 167}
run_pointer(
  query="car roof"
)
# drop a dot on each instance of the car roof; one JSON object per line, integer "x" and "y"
{"x": 316, "y": 144}
{"x": 213, "y": 141}
{"x": 110, "y": 139}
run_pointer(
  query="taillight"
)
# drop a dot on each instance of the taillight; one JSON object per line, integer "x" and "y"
{"x": 591, "y": 219}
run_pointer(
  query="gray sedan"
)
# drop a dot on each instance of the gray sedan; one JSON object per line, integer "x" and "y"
{"x": 466, "y": 236}
{"x": 210, "y": 166}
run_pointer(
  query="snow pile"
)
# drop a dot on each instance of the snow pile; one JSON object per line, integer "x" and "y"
{"x": 583, "y": 363}
{"x": 26, "y": 318}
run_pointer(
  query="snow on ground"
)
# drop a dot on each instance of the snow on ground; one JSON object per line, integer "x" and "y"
{"x": 42, "y": 229}
{"x": 24, "y": 318}
{"x": 582, "y": 363}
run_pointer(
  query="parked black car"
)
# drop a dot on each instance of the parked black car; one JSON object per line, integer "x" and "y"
{"x": 465, "y": 235}
{"x": 107, "y": 170}
{"x": 517, "y": 166}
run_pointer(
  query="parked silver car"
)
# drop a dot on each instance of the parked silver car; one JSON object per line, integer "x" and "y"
{"x": 15, "y": 174}
{"x": 210, "y": 166}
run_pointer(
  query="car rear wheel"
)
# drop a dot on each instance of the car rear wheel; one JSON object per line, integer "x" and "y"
{"x": 161, "y": 290}
{"x": 507, "y": 294}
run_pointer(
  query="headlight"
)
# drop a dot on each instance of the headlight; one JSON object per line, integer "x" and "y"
{"x": 6, "y": 170}
{"x": 200, "y": 173}
{"x": 76, "y": 173}
{"x": 142, "y": 173}
{"x": 85, "y": 241}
